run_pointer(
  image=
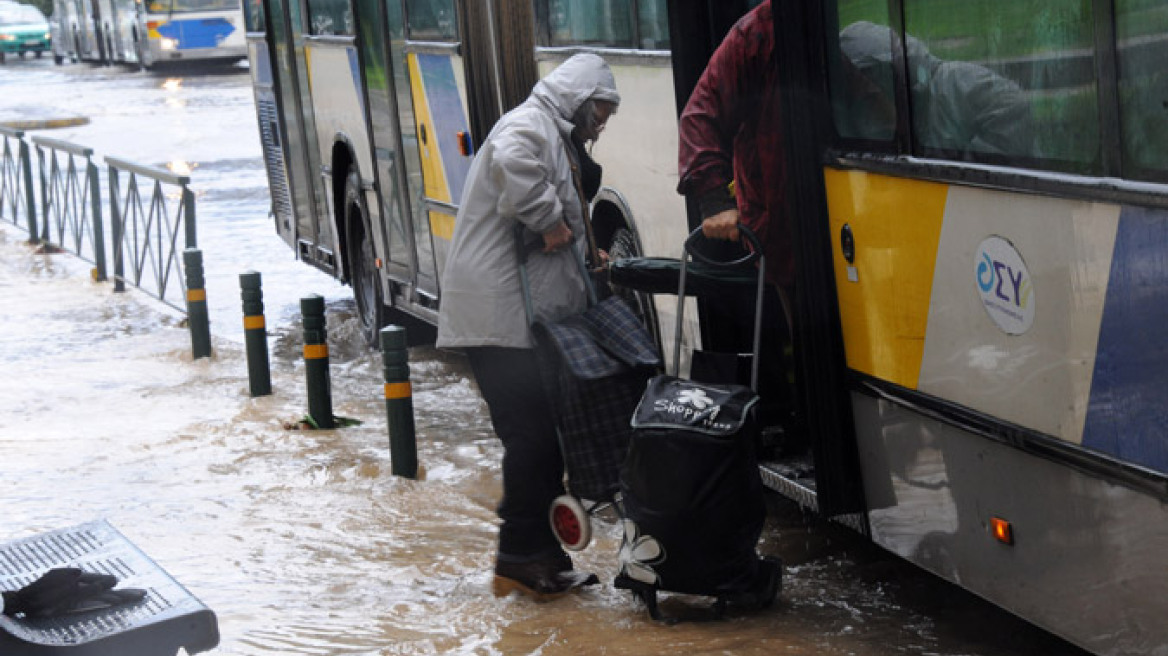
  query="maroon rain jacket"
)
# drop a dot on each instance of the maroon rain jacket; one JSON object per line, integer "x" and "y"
{"x": 730, "y": 130}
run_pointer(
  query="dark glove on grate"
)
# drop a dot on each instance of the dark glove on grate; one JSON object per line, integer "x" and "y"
{"x": 67, "y": 590}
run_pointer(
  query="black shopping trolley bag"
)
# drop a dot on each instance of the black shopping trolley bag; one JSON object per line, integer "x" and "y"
{"x": 691, "y": 497}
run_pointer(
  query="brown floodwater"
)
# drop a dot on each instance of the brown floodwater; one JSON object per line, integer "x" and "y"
{"x": 303, "y": 542}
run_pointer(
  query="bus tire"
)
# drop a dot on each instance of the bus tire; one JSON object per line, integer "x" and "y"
{"x": 363, "y": 275}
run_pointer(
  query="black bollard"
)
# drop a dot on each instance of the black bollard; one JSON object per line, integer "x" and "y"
{"x": 197, "y": 303}
{"x": 255, "y": 333}
{"x": 399, "y": 402}
{"x": 316, "y": 361}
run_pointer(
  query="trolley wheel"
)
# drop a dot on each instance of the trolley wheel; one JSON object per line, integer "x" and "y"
{"x": 570, "y": 522}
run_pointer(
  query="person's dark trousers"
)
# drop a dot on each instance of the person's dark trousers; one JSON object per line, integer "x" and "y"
{"x": 533, "y": 467}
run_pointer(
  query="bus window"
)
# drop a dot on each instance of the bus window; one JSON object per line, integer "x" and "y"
{"x": 1143, "y": 87}
{"x": 431, "y": 20}
{"x": 653, "y": 24}
{"x": 254, "y": 15}
{"x": 1004, "y": 81}
{"x": 592, "y": 22}
{"x": 862, "y": 86}
{"x": 330, "y": 17}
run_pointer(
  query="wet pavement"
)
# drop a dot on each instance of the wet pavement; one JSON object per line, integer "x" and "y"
{"x": 303, "y": 542}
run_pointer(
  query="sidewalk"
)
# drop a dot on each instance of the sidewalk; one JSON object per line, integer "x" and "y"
{"x": 38, "y": 117}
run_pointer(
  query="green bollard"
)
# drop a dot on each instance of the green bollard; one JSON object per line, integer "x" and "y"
{"x": 316, "y": 362}
{"x": 399, "y": 402}
{"x": 197, "y": 303}
{"x": 255, "y": 334}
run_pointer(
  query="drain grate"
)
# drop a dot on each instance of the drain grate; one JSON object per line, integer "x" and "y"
{"x": 167, "y": 619}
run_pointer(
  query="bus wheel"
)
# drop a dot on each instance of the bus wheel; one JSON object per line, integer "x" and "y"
{"x": 624, "y": 245}
{"x": 363, "y": 275}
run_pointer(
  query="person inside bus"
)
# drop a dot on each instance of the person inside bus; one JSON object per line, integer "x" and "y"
{"x": 523, "y": 176}
{"x": 958, "y": 107}
{"x": 731, "y": 161}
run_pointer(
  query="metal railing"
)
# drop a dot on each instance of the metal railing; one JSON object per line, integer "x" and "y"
{"x": 71, "y": 201}
{"x": 16, "y": 190}
{"x": 147, "y": 227}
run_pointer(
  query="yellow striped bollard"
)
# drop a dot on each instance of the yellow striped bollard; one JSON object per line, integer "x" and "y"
{"x": 399, "y": 402}
{"x": 255, "y": 334}
{"x": 316, "y": 362}
{"x": 197, "y": 303}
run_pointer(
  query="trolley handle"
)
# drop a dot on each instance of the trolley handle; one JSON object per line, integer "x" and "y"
{"x": 756, "y": 255}
{"x": 749, "y": 258}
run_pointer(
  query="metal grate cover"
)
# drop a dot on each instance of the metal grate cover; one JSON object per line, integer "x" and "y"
{"x": 167, "y": 619}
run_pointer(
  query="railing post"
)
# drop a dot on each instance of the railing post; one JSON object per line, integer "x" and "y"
{"x": 98, "y": 231}
{"x": 119, "y": 231}
{"x": 197, "y": 304}
{"x": 255, "y": 334}
{"x": 46, "y": 203}
{"x": 316, "y": 361}
{"x": 399, "y": 402}
{"x": 188, "y": 205}
{"x": 30, "y": 197}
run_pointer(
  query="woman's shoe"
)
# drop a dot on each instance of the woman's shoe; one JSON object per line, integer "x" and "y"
{"x": 542, "y": 579}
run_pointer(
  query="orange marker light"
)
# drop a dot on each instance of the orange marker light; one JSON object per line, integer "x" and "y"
{"x": 1003, "y": 531}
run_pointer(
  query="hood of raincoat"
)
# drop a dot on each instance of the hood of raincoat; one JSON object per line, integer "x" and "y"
{"x": 580, "y": 78}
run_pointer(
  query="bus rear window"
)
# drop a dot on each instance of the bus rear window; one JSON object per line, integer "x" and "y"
{"x": 431, "y": 20}
{"x": 591, "y": 23}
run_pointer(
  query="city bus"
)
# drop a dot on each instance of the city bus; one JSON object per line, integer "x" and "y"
{"x": 172, "y": 32}
{"x": 980, "y": 193}
{"x": 146, "y": 34}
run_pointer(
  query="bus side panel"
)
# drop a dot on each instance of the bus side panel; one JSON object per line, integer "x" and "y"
{"x": 1087, "y": 555}
{"x": 1037, "y": 376}
{"x": 339, "y": 107}
{"x": 1128, "y": 412}
{"x": 884, "y": 293}
{"x": 986, "y": 299}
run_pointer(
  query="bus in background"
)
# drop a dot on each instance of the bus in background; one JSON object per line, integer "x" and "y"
{"x": 172, "y": 32}
{"x": 368, "y": 140}
{"x": 979, "y": 203}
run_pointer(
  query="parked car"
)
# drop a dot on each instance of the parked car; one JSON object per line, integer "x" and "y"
{"x": 23, "y": 28}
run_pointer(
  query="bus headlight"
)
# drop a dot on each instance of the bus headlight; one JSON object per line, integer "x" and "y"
{"x": 168, "y": 44}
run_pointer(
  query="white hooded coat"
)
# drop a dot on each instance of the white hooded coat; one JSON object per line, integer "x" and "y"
{"x": 522, "y": 174}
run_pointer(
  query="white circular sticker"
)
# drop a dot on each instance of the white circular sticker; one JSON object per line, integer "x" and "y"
{"x": 1004, "y": 283}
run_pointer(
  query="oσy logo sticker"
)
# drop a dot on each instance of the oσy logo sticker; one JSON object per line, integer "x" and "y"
{"x": 1004, "y": 284}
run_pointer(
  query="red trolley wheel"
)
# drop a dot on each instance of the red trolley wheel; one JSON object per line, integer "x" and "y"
{"x": 570, "y": 523}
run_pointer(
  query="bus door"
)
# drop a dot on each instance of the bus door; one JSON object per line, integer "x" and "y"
{"x": 435, "y": 131}
{"x": 304, "y": 205}
{"x": 382, "y": 35}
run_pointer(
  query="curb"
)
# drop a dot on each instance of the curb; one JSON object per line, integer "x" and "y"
{"x": 45, "y": 124}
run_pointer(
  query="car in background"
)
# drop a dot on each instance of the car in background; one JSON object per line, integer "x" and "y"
{"x": 23, "y": 28}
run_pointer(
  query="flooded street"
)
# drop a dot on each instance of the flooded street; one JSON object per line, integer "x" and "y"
{"x": 303, "y": 542}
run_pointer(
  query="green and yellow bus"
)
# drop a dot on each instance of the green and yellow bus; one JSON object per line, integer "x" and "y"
{"x": 981, "y": 193}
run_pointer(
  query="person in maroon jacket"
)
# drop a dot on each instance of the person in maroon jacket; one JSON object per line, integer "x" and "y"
{"x": 731, "y": 161}
{"x": 731, "y": 148}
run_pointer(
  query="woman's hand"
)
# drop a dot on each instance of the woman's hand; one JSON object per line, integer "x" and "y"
{"x": 556, "y": 238}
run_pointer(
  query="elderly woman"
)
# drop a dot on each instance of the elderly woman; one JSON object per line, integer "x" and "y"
{"x": 532, "y": 171}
